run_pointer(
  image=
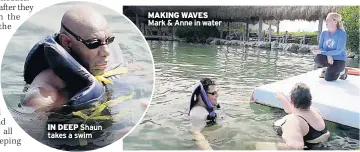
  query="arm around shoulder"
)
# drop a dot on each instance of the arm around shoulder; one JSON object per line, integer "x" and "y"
{"x": 44, "y": 93}
{"x": 42, "y": 98}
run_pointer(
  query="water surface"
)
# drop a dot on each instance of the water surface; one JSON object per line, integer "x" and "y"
{"x": 237, "y": 71}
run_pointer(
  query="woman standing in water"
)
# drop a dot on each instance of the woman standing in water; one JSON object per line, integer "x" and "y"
{"x": 304, "y": 126}
{"x": 332, "y": 54}
{"x": 202, "y": 110}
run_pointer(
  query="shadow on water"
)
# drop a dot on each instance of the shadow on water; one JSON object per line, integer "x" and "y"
{"x": 237, "y": 71}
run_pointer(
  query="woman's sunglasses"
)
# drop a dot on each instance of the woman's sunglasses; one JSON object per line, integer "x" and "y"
{"x": 212, "y": 93}
{"x": 91, "y": 43}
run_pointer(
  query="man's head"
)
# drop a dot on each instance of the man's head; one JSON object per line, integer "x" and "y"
{"x": 210, "y": 89}
{"x": 85, "y": 34}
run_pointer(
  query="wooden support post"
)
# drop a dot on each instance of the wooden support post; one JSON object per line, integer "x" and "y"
{"x": 173, "y": 33}
{"x": 144, "y": 27}
{"x": 260, "y": 29}
{"x": 247, "y": 31}
{"x": 270, "y": 33}
{"x": 228, "y": 28}
{"x": 221, "y": 31}
{"x": 137, "y": 21}
{"x": 320, "y": 27}
{"x": 159, "y": 31}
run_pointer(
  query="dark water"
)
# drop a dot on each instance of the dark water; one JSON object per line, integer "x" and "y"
{"x": 237, "y": 71}
{"x": 133, "y": 47}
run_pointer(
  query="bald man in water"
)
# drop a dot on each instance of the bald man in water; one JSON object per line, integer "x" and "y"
{"x": 80, "y": 24}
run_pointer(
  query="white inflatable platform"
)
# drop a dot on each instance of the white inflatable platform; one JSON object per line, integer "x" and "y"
{"x": 338, "y": 101}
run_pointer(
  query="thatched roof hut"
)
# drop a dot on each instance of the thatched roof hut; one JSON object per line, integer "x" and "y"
{"x": 244, "y": 13}
{"x": 247, "y": 14}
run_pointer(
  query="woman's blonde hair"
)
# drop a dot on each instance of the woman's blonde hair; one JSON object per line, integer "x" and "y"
{"x": 337, "y": 17}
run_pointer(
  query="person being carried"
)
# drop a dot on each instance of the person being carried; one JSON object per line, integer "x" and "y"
{"x": 331, "y": 55}
{"x": 304, "y": 126}
{"x": 202, "y": 110}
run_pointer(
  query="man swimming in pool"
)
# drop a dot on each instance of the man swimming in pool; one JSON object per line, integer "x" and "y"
{"x": 202, "y": 110}
{"x": 86, "y": 36}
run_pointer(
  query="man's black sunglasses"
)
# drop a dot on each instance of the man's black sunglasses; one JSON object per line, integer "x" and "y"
{"x": 91, "y": 43}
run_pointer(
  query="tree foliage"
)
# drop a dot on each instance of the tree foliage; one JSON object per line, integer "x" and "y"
{"x": 350, "y": 16}
{"x": 197, "y": 34}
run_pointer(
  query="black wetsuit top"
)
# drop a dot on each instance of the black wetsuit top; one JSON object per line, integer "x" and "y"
{"x": 311, "y": 135}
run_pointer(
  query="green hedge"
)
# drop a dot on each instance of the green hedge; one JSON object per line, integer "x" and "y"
{"x": 197, "y": 34}
{"x": 350, "y": 15}
{"x": 312, "y": 34}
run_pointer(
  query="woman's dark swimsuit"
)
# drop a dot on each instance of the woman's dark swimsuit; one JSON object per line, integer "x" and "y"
{"x": 311, "y": 135}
